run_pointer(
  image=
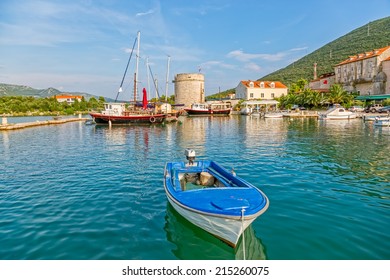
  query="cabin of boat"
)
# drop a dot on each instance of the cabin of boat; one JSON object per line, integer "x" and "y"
{"x": 217, "y": 108}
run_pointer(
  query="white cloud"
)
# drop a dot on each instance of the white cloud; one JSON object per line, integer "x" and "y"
{"x": 217, "y": 64}
{"x": 145, "y": 13}
{"x": 252, "y": 67}
{"x": 245, "y": 57}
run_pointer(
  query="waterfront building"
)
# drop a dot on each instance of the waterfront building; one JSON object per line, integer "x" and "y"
{"x": 367, "y": 73}
{"x": 268, "y": 90}
{"x": 323, "y": 83}
{"x": 70, "y": 99}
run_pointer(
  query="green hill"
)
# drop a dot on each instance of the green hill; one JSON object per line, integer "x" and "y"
{"x": 371, "y": 36}
{"x": 17, "y": 90}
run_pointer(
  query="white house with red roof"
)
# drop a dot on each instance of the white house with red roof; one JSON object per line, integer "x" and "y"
{"x": 251, "y": 90}
{"x": 68, "y": 98}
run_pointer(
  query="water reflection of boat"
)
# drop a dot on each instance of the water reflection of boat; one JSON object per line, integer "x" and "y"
{"x": 192, "y": 243}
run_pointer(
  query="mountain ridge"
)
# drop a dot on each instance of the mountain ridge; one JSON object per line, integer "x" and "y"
{"x": 21, "y": 90}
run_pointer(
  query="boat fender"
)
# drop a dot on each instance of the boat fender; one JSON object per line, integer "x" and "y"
{"x": 152, "y": 119}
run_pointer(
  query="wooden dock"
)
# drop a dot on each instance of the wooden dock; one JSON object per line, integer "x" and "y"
{"x": 12, "y": 126}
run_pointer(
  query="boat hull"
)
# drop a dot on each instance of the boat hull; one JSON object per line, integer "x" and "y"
{"x": 346, "y": 117}
{"x": 193, "y": 112}
{"x": 384, "y": 121}
{"x": 227, "y": 229}
{"x": 273, "y": 116}
{"x": 224, "y": 210}
{"x": 129, "y": 119}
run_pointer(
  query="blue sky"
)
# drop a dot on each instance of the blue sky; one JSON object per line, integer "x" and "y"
{"x": 83, "y": 45}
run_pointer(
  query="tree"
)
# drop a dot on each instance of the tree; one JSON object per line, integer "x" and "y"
{"x": 338, "y": 95}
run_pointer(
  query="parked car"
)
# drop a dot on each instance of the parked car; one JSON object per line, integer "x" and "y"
{"x": 373, "y": 108}
{"x": 385, "y": 109}
{"x": 356, "y": 109}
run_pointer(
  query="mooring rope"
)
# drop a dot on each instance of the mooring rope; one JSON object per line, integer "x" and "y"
{"x": 242, "y": 229}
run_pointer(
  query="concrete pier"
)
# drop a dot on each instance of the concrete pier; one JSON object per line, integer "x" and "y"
{"x": 6, "y": 126}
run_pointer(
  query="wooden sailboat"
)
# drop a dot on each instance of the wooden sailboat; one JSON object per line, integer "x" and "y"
{"x": 119, "y": 113}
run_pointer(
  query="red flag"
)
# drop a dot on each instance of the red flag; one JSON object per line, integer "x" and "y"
{"x": 144, "y": 99}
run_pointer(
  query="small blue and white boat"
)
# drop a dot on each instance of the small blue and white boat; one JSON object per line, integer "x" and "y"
{"x": 211, "y": 197}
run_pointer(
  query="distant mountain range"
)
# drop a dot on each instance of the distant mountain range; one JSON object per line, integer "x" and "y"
{"x": 17, "y": 90}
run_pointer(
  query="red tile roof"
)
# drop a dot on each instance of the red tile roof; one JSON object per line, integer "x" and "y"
{"x": 267, "y": 84}
{"x": 364, "y": 55}
{"x": 68, "y": 96}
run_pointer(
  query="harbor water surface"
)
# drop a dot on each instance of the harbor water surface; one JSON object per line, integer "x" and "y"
{"x": 74, "y": 191}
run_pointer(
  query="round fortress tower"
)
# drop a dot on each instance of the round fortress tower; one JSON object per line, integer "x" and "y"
{"x": 189, "y": 88}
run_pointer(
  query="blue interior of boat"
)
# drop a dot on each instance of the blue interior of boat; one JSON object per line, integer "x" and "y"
{"x": 228, "y": 198}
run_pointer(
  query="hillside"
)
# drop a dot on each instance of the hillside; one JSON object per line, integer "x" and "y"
{"x": 17, "y": 90}
{"x": 371, "y": 36}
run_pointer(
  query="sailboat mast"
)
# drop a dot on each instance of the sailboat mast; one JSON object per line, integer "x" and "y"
{"x": 147, "y": 74}
{"x": 136, "y": 68}
{"x": 166, "y": 83}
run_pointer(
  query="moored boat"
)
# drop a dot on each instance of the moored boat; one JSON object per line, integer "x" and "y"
{"x": 337, "y": 112}
{"x": 220, "y": 108}
{"x": 212, "y": 198}
{"x": 382, "y": 121}
{"x": 119, "y": 113}
{"x": 273, "y": 115}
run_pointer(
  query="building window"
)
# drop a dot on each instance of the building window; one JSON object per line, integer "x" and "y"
{"x": 272, "y": 85}
{"x": 262, "y": 84}
{"x": 272, "y": 95}
{"x": 251, "y": 95}
{"x": 251, "y": 84}
{"x": 262, "y": 95}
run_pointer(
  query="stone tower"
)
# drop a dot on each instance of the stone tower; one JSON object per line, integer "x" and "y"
{"x": 189, "y": 88}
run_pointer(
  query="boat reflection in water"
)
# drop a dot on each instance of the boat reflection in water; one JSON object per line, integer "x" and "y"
{"x": 194, "y": 243}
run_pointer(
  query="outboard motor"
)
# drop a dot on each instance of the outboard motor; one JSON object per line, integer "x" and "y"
{"x": 190, "y": 155}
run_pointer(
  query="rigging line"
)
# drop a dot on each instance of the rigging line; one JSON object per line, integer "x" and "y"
{"x": 154, "y": 82}
{"x": 127, "y": 66}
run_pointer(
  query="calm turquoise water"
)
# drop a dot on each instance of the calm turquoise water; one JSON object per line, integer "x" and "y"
{"x": 73, "y": 191}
